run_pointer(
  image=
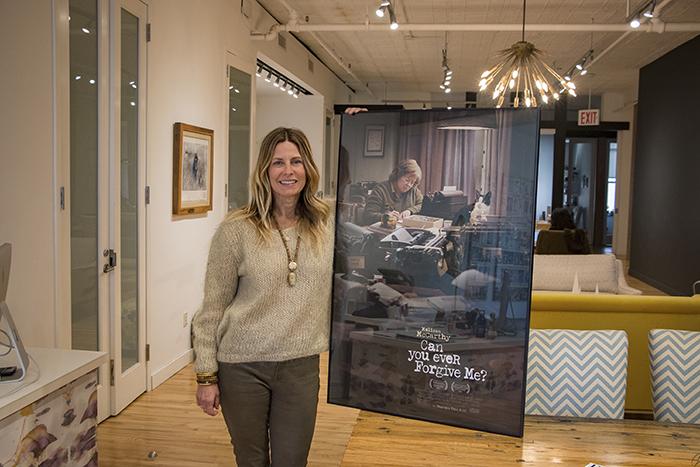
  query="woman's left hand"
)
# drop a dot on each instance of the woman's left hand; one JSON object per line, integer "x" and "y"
{"x": 404, "y": 214}
{"x": 354, "y": 110}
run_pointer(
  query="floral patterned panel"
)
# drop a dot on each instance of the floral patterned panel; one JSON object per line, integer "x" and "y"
{"x": 59, "y": 429}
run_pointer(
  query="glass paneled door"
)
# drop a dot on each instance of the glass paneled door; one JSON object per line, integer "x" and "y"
{"x": 105, "y": 188}
{"x": 127, "y": 202}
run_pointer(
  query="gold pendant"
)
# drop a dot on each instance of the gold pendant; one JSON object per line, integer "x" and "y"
{"x": 292, "y": 266}
{"x": 292, "y": 278}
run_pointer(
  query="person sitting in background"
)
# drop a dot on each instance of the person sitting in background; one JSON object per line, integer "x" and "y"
{"x": 562, "y": 238}
{"x": 398, "y": 196}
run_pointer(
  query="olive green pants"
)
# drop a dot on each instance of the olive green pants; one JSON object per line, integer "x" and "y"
{"x": 270, "y": 410}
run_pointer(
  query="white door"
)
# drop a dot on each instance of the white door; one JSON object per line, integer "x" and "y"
{"x": 127, "y": 202}
{"x": 101, "y": 66}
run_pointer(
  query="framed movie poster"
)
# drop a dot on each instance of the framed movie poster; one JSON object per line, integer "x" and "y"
{"x": 433, "y": 267}
{"x": 193, "y": 149}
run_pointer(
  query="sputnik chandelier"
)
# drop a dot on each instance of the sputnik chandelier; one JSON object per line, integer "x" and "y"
{"x": 522, "y": 71}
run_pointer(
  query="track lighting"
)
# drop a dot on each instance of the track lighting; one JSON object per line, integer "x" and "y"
{"x": 392, "y": 16}
{"x": 382, "y": 6}
{"x": 580, "y": 66}
{"x": 644, "y": 13}
{"x": 386, "y": 6}
{"x": 446, "y": 71}
{"x": 278, "y": 80}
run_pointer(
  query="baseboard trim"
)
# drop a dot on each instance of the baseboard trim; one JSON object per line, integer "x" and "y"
{"x": 654, "y": 283}
{"x": 160, "y": 376}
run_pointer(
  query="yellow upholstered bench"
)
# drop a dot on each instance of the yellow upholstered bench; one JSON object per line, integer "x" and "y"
{"x": 636, "y": 314}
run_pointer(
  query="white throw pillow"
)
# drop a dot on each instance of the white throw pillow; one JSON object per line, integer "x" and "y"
{"x": 556, "y": 272}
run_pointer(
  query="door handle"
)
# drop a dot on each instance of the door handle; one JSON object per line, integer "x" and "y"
{"x": 111, "y": 256}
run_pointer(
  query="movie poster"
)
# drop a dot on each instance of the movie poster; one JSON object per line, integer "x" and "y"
{"x": 433, "y": 265}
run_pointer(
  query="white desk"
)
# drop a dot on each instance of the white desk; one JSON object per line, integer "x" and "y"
{"x": 52, "y": 418}
{"x": 57, "y": 367}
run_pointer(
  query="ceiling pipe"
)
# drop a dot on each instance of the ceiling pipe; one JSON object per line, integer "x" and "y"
{"x": 291, "y": 26}
{"x": 652, "y": 26}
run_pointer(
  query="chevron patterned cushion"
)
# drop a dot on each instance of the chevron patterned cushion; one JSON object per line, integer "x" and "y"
{"x": 675, "y": 375}
{"x": 576, "y": 373}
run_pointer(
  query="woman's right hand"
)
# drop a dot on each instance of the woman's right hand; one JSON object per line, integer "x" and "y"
{"x": 208, "y": 398}
{"x": 354, "y": 110}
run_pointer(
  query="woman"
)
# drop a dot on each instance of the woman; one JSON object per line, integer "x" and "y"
{"x": 398, "y": 196}
{"x": 265, "y": 315}
{"x": 562, "y": 238}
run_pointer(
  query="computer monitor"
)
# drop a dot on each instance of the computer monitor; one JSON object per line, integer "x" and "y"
{"x": 11, "y": 330}
{"x": 5, "y": 261}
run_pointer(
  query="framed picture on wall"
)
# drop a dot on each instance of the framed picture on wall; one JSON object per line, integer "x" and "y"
{"x": 374, "y": 141}
{"x": 193, "y": 149}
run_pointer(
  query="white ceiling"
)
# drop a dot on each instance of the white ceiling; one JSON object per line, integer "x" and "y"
{"x": 408, "y": 62}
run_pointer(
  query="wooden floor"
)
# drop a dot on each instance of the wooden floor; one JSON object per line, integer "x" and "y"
{"x": 638, "y": 284}
{"x": 167, "y": 421}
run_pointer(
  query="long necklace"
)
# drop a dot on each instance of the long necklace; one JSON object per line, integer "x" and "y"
{"x": 292, "y": 260}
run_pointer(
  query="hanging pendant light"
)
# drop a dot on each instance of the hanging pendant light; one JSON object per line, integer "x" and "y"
{"x": 522, "y": 70}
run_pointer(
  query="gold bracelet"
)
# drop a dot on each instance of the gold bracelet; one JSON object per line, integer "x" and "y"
{"x": 206, "y": 375}
{"x": 199, "y": 383}
{"x": 207, "y": 380}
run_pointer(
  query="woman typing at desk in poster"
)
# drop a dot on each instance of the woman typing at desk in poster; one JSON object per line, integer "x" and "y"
{"x": 398, "y": 196}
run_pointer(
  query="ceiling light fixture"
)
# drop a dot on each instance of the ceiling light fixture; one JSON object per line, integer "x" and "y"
{"x": 580, "y": 66}
{"x": 446, "y": 72}
{"x": 386, "y": 7}
{"x": 523, "y": 71}
{"x": 394, "y": 23}
{"x": 258, "y": 72}
{"x": 645, "y": 12}
{"x": 277, "y": 79}
{"x": 382, "y": 6}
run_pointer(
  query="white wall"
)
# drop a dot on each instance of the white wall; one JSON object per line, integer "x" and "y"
{"x": 197, "y": 93}
{"x": 26, "y": 161}
{"x": 187, "y": 86}
{"x": 305, "y": 113}
{"x": 371, "y": 168}
{"x": 620, "y": 107}
{"x": 186, "y": 82}
{"x": 545, "y": 171}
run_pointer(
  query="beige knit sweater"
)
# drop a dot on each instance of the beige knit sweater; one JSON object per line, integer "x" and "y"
{"x": 249, "y": 312}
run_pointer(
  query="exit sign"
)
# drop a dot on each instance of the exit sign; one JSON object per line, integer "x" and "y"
{"x": 589, "y": 117}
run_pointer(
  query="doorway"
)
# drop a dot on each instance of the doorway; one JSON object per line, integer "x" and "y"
{"x": 587, "y": 190}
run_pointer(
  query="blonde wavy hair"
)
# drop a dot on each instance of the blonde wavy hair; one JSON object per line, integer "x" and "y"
{"x": 313, "y": 212}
